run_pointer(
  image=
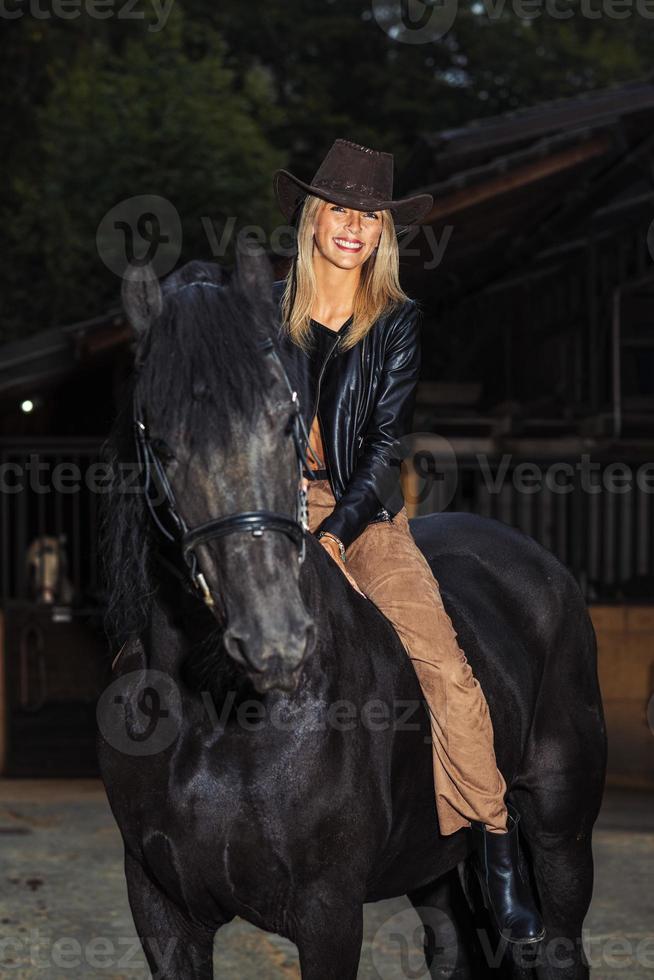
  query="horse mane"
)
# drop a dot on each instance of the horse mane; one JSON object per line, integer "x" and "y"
{"x": 201, "y": 352}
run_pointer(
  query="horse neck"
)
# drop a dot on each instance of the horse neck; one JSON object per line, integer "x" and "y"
{"x": 321, "y": 582}
{"x": 165, "y": 644}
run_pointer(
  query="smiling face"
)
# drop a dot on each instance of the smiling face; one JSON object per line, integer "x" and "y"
{"x": 344, "y": 236}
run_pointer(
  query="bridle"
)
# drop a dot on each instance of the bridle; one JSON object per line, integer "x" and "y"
{"x": 164, "y": 512}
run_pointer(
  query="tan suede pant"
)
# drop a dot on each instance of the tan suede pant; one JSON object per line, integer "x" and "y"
{"x": 392, "y": 572}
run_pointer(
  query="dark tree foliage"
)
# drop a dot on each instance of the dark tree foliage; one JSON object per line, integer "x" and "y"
{"x": 202, "y": 108}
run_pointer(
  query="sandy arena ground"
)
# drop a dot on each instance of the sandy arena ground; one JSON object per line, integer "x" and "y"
{"x": 64, "y": 911}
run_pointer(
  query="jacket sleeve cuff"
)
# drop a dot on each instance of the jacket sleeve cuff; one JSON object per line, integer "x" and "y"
{"x": 338, "y": 527}
{"x": 337, "y": 523}
{"x": 359, "y": 505}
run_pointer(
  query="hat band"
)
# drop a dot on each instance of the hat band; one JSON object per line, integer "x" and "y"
{"x": 347, "y": 187}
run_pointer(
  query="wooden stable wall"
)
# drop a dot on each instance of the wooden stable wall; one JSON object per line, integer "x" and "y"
{"x": 53, "y": 668}
{"x": 56, "y": 735}
{"x": 625, "y": 640}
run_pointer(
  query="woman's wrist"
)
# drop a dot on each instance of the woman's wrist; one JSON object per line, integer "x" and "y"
{"x": 333, "y": 540}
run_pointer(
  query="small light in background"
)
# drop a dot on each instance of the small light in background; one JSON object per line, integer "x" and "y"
{"x": 27, "y": 405}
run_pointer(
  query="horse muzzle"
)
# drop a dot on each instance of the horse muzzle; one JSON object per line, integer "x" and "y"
{"x": 275, "y": 678}
{"x": 271, "y": 666}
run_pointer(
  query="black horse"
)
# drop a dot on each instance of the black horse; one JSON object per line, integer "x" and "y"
{"x": 284, "y": 774}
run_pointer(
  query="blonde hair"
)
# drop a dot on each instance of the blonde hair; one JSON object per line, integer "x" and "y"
{"x": 378, "y": 291}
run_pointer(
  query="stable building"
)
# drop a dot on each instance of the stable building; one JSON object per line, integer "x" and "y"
{"x": 535, "y": 271}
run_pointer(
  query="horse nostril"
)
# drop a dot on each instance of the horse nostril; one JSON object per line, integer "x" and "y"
{"x": 272, "y": 654}
{"x": 235, "y": 646}
{"x": 310, "y": 642}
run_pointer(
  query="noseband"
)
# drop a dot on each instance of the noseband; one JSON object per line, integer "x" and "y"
{"x": 163, "y": 509}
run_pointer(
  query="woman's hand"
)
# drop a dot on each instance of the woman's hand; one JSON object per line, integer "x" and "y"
{"x": 332, "y": 548}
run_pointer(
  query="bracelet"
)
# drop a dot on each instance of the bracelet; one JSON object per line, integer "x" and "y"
{"x": 341, "y": 546}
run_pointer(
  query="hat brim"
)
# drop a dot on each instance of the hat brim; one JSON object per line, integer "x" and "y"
{"x": 290, "y": 191}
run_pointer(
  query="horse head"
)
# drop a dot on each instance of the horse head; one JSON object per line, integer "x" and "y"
{"x": 47, "y": 570}
{"x": 214, "y": 415}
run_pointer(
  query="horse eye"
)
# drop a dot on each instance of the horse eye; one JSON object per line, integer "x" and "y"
{"x": 289, "y": 425}
{"x": 162, "y": 450}
{"x": 201, "y": 392}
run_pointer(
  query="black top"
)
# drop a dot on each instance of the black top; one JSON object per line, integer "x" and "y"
{"x": 323, "y": 342}
{"x": 316, "y": 323}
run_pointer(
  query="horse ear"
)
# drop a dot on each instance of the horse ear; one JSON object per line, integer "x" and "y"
{"x": 254, "y": 272}
{"x": 141, "y": 296}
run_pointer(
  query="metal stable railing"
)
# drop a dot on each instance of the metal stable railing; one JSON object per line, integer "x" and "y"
{"x": 601, "y": 526}
{"x": 49, "y": 511}
{"x": 595, "y": 514}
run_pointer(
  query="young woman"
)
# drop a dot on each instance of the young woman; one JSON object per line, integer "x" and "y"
{"x": 352, "y": 337}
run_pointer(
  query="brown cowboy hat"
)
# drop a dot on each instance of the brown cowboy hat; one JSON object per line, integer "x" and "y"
{"x": 356, "y": 177}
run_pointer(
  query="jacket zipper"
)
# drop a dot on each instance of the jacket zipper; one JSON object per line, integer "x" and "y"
{"x": 324, "y": 449}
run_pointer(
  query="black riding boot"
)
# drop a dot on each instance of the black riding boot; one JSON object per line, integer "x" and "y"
{"x": 505, "y": 887}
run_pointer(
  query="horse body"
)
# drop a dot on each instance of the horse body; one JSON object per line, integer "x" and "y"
{"x": 294, "y": 812}
{"x": 291, "y": 807}
{"x": 288, "y": 791}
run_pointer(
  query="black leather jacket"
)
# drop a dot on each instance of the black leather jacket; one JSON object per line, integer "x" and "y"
{"x": 364, "y": 398}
